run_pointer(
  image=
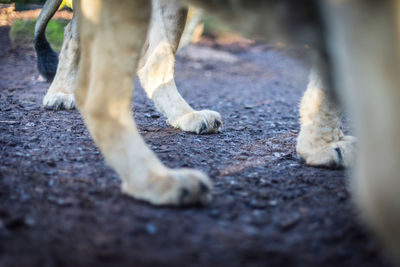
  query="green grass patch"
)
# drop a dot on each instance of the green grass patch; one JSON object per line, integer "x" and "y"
{"x": 215, "y": 27}
{"x": 22, "y": 32}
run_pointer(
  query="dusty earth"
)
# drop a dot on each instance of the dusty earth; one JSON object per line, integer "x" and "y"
{"x": 60, "y": 205}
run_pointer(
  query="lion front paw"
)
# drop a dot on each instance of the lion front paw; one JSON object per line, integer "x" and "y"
{"x": 339, "y": 154}
{"x": 58, "y": 101}
{"x": 174, "y": 187}
{"x": 199, "y": 122}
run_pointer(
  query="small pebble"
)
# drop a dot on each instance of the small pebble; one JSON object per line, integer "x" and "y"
{"x": 342, "y": 195}
{"x": 289, "y": 222}
{"x": 151, "y": 229}
{"x": 273, "y": 202}
{"x": 30, "y": 221}
{"x": 214, "y": 213}
{"x": 263, "y": 194}
{"x": 255, "y": 204}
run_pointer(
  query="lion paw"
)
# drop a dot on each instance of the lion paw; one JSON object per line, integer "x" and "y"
{"x": 59, "y": 101}
{"x": 199, "y": 122}
{"x": 175, "y": 187}
{"x": 339, "y": 154}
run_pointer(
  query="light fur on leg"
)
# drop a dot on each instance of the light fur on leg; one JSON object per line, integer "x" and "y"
{"x": 112, "y": 34}
{"x": 321, "y": 142}
{"x": 60, "y": 95}
{"x": 156, "y": 71}
{"x": 193, "y": 29}
{"x": 365, "y": 40}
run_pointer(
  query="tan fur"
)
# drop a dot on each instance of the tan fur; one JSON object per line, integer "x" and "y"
{"x": 61, "y": 92}
{"x": 156, "y": 71}
{"x": 367, "y": 60}
{"x": 104, "y": 94}
{"x": 321, "y": 141}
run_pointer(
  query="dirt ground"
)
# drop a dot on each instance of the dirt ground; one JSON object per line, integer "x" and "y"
{"x": 60, "y": 205}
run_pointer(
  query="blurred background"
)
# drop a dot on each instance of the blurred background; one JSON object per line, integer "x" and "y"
{"x": 21, "y": 16}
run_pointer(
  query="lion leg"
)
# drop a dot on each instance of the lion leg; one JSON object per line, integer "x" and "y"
{"x": 366, "y": 42}
{"x": 112, "y": 34}
{"x": 61, "y": 92}
{"x": 156, "y": 71}
{"x": 321, "y": 142}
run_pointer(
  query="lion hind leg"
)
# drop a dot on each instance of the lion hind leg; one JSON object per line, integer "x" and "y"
{"x": 60, "y": 95}
{"x": 321, "y": 141}
{"x": 156, "y": 72}
{"x": 111, "y": 35}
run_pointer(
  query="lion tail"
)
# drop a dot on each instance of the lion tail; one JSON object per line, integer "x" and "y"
{"x": 47, "y": 58}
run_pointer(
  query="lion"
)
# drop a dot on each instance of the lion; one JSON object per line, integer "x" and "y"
{"x": 356, "y": 58}
{"x": 320, "y": 143}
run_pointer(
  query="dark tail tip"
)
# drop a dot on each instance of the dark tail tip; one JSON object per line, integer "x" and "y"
{"x": 47, "y": 58}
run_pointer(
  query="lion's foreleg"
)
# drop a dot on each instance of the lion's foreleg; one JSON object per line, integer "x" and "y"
{"x": 112, "y": 34}
{"x": 321, "y": 142}
{"x": 60, "y": 95}
{"x": 156, "y": 71}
